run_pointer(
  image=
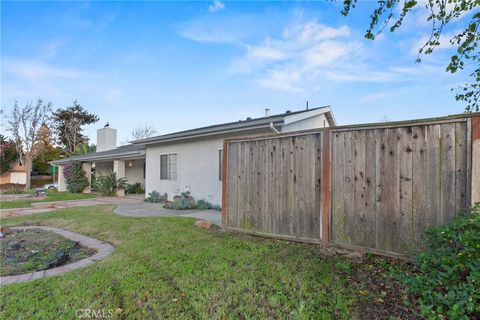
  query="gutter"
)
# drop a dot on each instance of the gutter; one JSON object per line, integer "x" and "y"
{"x": 98, "y": 158}
{"x": 273, "y": 128}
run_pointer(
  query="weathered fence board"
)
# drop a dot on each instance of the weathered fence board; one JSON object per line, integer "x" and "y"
{"x": 378, "y": 187}
{"x": 417, "y": 175}
{"x": 278, "y": 183}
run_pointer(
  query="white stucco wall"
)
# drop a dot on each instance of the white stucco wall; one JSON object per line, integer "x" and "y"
{"x": 197, "y": 170}
{"x": 103, "y": 166}
{"x": 318, "y": 121}
{"x": 198, "y": 162}
{"x": 135, "y": 172}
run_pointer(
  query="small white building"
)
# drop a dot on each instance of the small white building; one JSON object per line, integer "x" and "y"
{"x": 188, "y": 160}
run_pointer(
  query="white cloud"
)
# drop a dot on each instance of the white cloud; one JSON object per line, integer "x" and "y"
{"x": 30, "y": 70}
{"x": 304, "y": 56}
{"x": 217, "y": 5}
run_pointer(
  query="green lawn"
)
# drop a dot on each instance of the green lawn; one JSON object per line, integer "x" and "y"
{"x": 51, "y": 196}
{"x": 167, "y": 268}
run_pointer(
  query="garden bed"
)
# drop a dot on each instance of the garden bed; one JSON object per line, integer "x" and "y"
{"x": 24, "y": 251}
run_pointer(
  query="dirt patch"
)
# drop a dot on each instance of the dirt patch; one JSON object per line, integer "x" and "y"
{"x": 380, "y": 295}
{"x": 24, "y": 251}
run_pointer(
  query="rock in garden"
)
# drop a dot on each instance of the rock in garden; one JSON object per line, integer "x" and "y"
{"x": 4, "y": 231}
{"x": 203, "y": 224}
{"x": 14, "y": 245}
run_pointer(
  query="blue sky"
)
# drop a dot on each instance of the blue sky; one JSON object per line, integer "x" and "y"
{"x": 180, "y": 65}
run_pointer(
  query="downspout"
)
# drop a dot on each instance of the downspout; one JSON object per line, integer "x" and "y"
{"x": 273, "y": 128}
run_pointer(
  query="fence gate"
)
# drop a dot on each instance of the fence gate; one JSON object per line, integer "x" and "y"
{"x": 274, "y": 186}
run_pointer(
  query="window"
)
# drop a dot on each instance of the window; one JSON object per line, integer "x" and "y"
{"x": 220, "y": 164}
{"x": 144, "y": 169}
{"x": 168, "y": 166}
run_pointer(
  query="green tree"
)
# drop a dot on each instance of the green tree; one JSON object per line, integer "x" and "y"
{"x": 85, "y": 148}
{"x": 8, "y": 154}
{"x": 441, "y": 14}
{"x": 69, "y": 122}
{"x": 41, "y": 163}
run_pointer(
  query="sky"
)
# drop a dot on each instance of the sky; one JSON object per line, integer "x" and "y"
{"x": 182, "y": 65}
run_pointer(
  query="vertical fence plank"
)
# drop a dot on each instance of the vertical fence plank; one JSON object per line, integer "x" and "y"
{"x": 460, "y": 167}
{"x": 405, "y": 239}
{"x": 326, "y": 188}
{"x": 370, "y": 182}
{"x": 448, "y": 172}
{"x": 419, "y": 184}
{"x": 338, "y": 182}
{"x": 433, "y": 176}
{"x": 359, "y": 187}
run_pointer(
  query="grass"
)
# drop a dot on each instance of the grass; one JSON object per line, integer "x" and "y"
{"x": 167, "y": 268}
{"x": 51, "y": 196}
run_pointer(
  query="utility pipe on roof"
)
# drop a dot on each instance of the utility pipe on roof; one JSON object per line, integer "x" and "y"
{"x": 273, "y": 128}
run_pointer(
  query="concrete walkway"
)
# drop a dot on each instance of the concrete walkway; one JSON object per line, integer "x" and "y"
{"x": 42, "y": 207}
{"x": 145, "y": 209}
{"x": 103, "y": 250}
{"x": 126, "y": 206}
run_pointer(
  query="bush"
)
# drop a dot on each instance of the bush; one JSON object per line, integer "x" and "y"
{"x": 185, "y": 201}
{"x": 16, "y": 189}
{"x": 75, "y": 177}
{"x": 156, "y": 197}
{"x": 135, "y": 188}
{"x": 448, "y": 279}
{"x": 203, "y": 204}
{"x": 107, "y": 184}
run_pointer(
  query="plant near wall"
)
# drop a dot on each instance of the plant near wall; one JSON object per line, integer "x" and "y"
{"x": 448, "y": 280}
{"x": 156, "y": 197}
{"x": 135, "y": 188}
{"x": 75, "y": 177}
{"x": 107, "y": 184}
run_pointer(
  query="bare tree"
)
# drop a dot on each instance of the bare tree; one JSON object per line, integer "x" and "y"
{"x": 26, "y": 125}
{"x": 143, "y": 132}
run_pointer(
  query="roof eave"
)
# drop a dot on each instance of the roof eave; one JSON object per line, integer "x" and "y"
{"x": 265, "y": 125}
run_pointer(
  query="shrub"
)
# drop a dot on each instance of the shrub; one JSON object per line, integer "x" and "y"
{"x": 448, "y": 279}
{"x": 107, "y": 184}
{"x": 135, "y": 188}
{"x": 203, "y": 204}
{"x": 185, "y": 201}
{"x": 16, "y": 189}
{"x": 75, "y": 177}
{"x": 156, "y": 197}
{"x": 182, "y": 203}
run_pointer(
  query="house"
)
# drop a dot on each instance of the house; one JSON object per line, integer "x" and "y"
{"x": 16, "y": 175}
{"x": 188, "y": 160}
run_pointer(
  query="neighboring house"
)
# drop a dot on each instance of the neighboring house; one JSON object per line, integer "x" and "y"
{"x": 188, "y": 160}
{"x": 15, "y": 175}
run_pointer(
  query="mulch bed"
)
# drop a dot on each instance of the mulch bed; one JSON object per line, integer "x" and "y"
{"x": 24, "y": 251}
{"x": 381, "y": 296}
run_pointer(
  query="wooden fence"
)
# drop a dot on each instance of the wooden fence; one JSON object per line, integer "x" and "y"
{"x": 378, "y": 187}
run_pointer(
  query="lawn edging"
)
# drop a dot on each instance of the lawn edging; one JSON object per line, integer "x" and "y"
{"x": 103, "y": 250}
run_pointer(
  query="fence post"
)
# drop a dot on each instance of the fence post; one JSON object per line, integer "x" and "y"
{"x": 224, "y": 183}
{"x": 475, "y": 188}
{"x": 326, "y": 188}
